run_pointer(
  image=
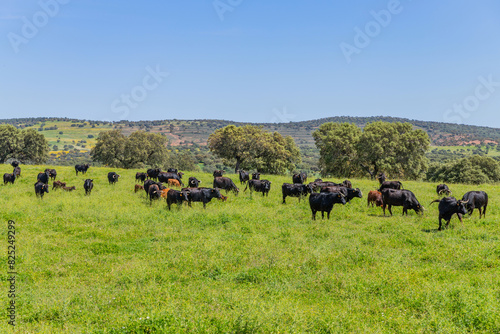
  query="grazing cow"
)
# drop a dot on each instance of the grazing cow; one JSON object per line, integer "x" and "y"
{"x": 318, "y": 184}
{"x": 14, "y": 163}
{"x": 88, "y": 185}
{"x": 404, "y": 198}
{"x": 41, "y": 189}
{"x": 443, "y": 189}
{"x": 324, "y": 202}
{"x": 244, "y": 176}
{"x": 347, "y": 184}
{"x": 174, "y": 183}
{"x": 381, "y": 178}
{"x": 175, "y": 197}
{"x": 193, "y": 182}
{"x": 141, "y": 176}
{"x": 153, "y": 173}
{"x": 226, "y": 183}
{"x": 204, "y": 195}
{"x": 43, "y": 177}
{"x": 476, "y": 200}
{"x": 390, "y": 185}
{"x": 9, "y": 178}
{"x": 149, "y": 183}
{"x": 52, "y": 173}
{"x": 256, "y": 176}
{"x": 138, "y": 187}
{"x": 349, "y": 193}
{"x": 58, "y": 184}
{"x": 165, "y": 176}
{"x": 17, "y": 171}
{"x": 299, "y": 178}
{"x": 69, "y": 188}
{"x": 82, "y": 169}
{"x": 113, "y": 177}
{"x": 262, "y": 186}
{"x": 375, "y": 196}
{"x": 218, "y": 173}
{"x": 172, "y": 170}
{"x": 295, "y": 190}
{"x": 448, "y": 206}
{"x": 154, "y": 193}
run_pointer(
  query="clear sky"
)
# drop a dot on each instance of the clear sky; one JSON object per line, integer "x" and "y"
{"x": 257, "y": 61}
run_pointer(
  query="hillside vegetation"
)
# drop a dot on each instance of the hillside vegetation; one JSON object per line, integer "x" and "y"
{"x": 111, "y": 263}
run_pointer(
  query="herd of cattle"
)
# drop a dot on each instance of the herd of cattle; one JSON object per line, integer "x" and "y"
{"x": 322, "y": 194}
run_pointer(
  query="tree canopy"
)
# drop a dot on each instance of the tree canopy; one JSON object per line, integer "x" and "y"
{"x": 250, "y": 147}
{"x": 24, "y": 145}
{"x": 139, "y": 149}
{"x": 471, "y": 170}
{"x": 394, "y": 148}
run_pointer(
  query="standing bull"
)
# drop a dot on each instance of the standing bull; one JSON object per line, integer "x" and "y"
{"x": 448, "y": 206}
{"x": 476, "y": 200}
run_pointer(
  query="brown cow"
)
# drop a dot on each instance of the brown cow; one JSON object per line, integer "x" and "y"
{"x": 58, "y": 184}
{"x": 375, "y": 197}
{"x": 138, "y": 187}
{"x": 69, "y": 188}
{"x": 174, "y": 183}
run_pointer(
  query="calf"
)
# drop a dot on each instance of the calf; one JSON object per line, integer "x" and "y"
{"x": 244, "y": 176}
{"x": 375, "y": 196}
{"x": 82, "y": 169}
{"x": 324, "y": 202}
{"x": 138, "y": 187}
{"x": 448, "y": 206}
{"x": 262, "y": 186}
{"x": 476, "y": 200}
{"x": 58, "y": 184}
{"x": 295, "y": 190}
{"x": 390, "y": 185}
{"x": 404, "y": 198}
{"x": 226, "y": 183}
{"x": 113, "y": 177}
{"x": 69, "y": 188}
{"x": 40, "y": 189}
{"x": 204, "y": 195}
{"x": 43, "y": 177}
{"x": 174, "y": 183}
{"x": 141, "y": 176}
{"x": 88, "y": 185}
{"x": 17, "y": 171}
{"x": 52, "y": 173}
{"x": 443, "y": 189}
{"x": 9, "y": 178}
{"x": 193, "y": 182}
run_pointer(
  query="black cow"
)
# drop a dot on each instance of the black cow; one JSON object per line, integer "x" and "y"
{"x": 41, "y": 189}
{"x": 82, "y": 169}
{"x": 244, "y": 176}
{"x": 172, "y": 170}
{"x": 204, "y": 195}
{"x": 226, "y": 183}
{"x": 317, "y": 185}
{"x": 43, "y": 177}
{"x": 324, "y": 202}
{"x": 404, "y": 198}
{"x": 390, "y": 185}
{"x": 14, "y": 163}
{"x": 262, "y": 186}
{"x": 349, "y": 193}
{"x": 193, "y": 182}
{"x": 256, "y": 176}
{"x": 141, "y": 176}
{"x": 88, "y": 185}
{"x": 9, "y": 178}
{"x": 153, "y": 173}
{"x": 295, "y": 190}
{"x": 165, "y": 176}
{"x": 154, "y": 193}
{"x": 448, "y": 206}
{"x": 17, "y": 171}
{"x": 299, "y": 178}
{"x": 218, "y": 173}
{"x": 476, "y": 200}
{"x": 381, "y": 178}
{"x": 347, "y": 184}
{"x": 443, "y": 189}
{"x": 113, "y": 177}
{"x": 149, "y": 183}
{"x": 176, "y": 197}
{"x": 52, "y": 173}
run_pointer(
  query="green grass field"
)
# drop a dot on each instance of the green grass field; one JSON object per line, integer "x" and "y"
{"x": 111, "y": 263}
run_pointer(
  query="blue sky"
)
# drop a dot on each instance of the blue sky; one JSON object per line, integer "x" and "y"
{"x": 256, "y": 61}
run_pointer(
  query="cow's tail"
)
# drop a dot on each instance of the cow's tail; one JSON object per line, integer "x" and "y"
{"x": 434, "y": 201}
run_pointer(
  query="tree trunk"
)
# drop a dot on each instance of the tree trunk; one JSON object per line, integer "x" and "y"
{"x": 237, "y": 167}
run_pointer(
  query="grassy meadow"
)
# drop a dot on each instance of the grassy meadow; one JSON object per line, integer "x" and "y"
{"x": 111, "y": 263}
